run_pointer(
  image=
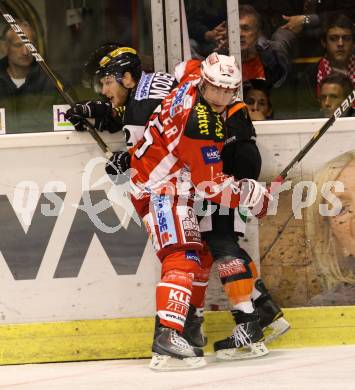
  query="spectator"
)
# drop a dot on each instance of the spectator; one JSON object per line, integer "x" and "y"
{"x": 333, "y": 90}
{"x": 338, "y": 41}
{"x": 261, "y": 58}
{"x": 257, "y": 98}
{"x": 206, "y": 22}
{"x": 284, "y": 19}
{"x": 312, "y": 14}
{"x": 26, "y": 92}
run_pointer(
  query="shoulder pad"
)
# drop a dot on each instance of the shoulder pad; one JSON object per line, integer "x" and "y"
{"x": 239, "y": 126}
{"x": 235, "y": 108}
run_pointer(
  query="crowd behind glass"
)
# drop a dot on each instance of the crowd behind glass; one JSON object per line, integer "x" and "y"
{"x": 297, "y": 56}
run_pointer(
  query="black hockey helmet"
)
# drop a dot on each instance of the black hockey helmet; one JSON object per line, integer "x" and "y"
{"x": 118, "y": 62}
{"x": 93, "y": 62}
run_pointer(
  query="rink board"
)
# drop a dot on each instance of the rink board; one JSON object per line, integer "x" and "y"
{"x": 70, "y": 290}
{"x": 132, "y": 337}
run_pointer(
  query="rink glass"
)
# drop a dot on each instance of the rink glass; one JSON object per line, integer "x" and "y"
{"x": 66, "y": 37}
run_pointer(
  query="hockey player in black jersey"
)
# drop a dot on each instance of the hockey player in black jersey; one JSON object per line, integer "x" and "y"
{"x": 131, "y": 95}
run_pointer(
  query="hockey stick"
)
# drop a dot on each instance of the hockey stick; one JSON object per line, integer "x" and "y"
{"x": 341, "y": 110}
{"x": 58, "y": 84}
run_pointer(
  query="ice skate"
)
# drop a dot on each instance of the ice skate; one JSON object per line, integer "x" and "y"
{"x": 193, "y": 332}
{"x": 172, "y": 352}
{"x": 270, "y": 314}
{"x": 246, "y": 342}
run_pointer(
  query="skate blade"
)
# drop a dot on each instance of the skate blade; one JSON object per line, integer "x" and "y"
{"x": 277, "y": 328}
{"x": 169, "y": 363}
{"x": 248, "y": 352}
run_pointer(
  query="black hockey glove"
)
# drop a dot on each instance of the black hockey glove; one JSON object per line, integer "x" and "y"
{"x": 90, "y": 109}
{"x": 118, "y": 164}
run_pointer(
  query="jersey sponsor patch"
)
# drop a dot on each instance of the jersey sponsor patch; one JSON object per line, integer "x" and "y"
{"x": 178, "y": 101}
{"x": 143, "y": 88}
{"x": 165, "y": 219}
{"x": 202, "y": 118}
{"x": 192, "y": 255}
{"x": 210, "y": 154}
{"x": 233, "y": 267}
{"x": 149, "y": 225}
{"x": 188, "y": 224}
{"x": 204, "y": 123}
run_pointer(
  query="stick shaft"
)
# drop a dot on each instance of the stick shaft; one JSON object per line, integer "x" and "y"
{"x": 344, "y": 107}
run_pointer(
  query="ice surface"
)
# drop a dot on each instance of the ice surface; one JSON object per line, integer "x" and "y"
{"x": 302, "y": 369}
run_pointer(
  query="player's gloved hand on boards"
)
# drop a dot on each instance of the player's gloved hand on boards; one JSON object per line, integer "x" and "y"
{"x": 76, "y": 120}
{"x": 118, "y": 163}
{"x": 91, "y": 109}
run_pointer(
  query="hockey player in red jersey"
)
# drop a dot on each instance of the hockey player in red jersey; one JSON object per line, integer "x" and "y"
{"x": 241, "y": 158}
{"x": 120, "y": 78}
{"x": 178, "y": 160}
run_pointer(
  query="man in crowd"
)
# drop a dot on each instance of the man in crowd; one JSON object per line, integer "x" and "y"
{"x": 261, "y": 58}
{"x": 26, "y": 92}
{"x": 257, "y": 98}
{"x": 338, "y": 41}
{"x": 333, "y": 90}
{"x": 206, "y": 20}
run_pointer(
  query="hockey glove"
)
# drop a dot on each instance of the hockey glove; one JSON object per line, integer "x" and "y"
{"x": 272, "y": 189}
{"x": 76, "y": 120}
{"x": 118, "y": 164}
{"x": 90, "y": 109}
{"x": 251, "y": 193}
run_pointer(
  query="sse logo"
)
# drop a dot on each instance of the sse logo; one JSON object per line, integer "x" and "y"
{"x": 210, "y": 154}
{"x": 165, "y": 219}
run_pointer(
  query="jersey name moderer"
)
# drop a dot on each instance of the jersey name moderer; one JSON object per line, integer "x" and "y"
{"x": 154, "y": 86}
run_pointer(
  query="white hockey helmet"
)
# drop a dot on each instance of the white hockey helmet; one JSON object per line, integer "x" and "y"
{"x": 221, "y": 71}
{"x": 220, "y": 80}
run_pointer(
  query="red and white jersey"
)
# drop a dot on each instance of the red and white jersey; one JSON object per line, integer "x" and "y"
{"x": 181, "y": 150}
{"x": 186, "y": 69}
